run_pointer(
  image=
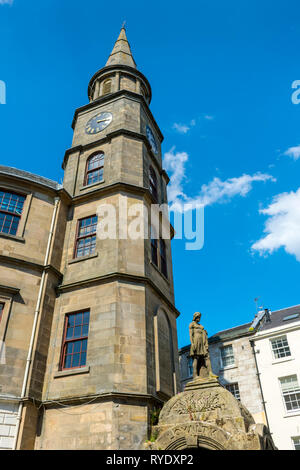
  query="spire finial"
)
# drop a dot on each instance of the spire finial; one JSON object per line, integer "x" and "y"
{"x": 121, "y": 53}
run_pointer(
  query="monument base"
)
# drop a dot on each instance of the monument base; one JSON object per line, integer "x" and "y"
{"x": 207, "y": 416}
{"x": 200, "y": 383}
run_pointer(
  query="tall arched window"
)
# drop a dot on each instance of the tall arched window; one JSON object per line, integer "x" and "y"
{"x": 153, "y": 183}
{"x": 106, "y": 87}
{"x": 154, "y": 257}
{"x": 163, "y": 257}
{"x": 94, "y": 168}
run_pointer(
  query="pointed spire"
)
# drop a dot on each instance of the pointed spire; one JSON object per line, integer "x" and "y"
{"x": 121, "y": 53}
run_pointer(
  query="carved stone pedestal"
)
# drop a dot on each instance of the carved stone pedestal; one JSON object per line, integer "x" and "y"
{"x": 207, "y": 416}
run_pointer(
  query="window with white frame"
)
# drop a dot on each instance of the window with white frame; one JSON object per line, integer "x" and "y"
{"x": 280, "y": 347}
{"x": 234, "y": 389}
{"x": 296, "y": 442}
{"x": 227, "y": 356}
{"x": 291, "y": 392}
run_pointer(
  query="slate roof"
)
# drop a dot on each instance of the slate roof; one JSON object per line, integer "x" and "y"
{"x": 223, "y": 335}
{"x": 277, "y": 318}
{"x": 26, "y": 175}
{"x": 231, "y": 333}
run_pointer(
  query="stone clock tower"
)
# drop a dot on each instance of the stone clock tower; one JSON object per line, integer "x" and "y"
{"x": 112, "y": 355}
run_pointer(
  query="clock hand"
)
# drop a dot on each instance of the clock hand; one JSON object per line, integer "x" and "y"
{"x": 102, "y": 120}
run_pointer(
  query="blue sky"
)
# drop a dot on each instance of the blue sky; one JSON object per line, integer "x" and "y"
{"x": 221, "y": 75}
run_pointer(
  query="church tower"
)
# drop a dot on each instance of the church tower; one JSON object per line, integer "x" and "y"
{"x": 112, "y": 355}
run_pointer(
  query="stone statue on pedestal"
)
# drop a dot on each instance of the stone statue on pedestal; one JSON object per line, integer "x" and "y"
{"x": 199, "y": 349}
{"x": 206, "y": 415}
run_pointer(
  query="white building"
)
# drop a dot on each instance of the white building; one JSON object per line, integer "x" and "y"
{"x": 277, "y": 353}
{"x": 259, "y": 363}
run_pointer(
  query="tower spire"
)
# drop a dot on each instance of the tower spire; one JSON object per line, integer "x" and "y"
{"x": 121, "y": 53}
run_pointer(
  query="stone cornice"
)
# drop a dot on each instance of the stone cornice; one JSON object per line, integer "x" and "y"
{"x": 107, "y": 138}
{"x": 106, "y": 98}
{"x": 26, "y": 181}
{"x": 117, "y": 276}
{"x": 118, "y": 187}
{"x": 113, "y": 396}
{"x": 32, "y": 264}
{"x": 9, "y": 290}
{"x": 111, "y": 188}
{"x": 116, "y": 68}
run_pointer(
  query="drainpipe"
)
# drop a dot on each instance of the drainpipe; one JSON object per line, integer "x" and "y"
{"x": 259, "y": 381}
{"x": 34, "y": 327}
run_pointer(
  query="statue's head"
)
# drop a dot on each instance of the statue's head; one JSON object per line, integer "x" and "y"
{"x": 197, "y": 316}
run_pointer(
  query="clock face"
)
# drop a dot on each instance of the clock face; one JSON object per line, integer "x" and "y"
{"x": 98, "y": 123}
{"x": 152, "y": 140}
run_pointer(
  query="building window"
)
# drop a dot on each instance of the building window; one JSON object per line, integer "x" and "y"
{"x": 106, "y": 87}
{"x": 153, "y": 183}
{"x": 296, "y": 442}
{"x": 227, "y": 356}
{"x": 1, "y": 310}
{"x": 75, "y": 340}
{"x": 163, "y": 258}
{"x": 190, "y": 367}
{"x": 291, "y": 392}
{"x": 280, "y": 347}
{"x": 11, "y": 206}
{"x": 153, "y": 236}
{"x": 86, "y": 237}
{"x": 234, "y": 389}
{"x": 94, "y": 168}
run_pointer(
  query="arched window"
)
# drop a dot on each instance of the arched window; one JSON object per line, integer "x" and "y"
{"x": 153, "y": 183}
{"x": 154, "y": 257}
{"x": 106, "y": 87}
{"x": 163, "y": 257}
{"x": 94, "y": 168}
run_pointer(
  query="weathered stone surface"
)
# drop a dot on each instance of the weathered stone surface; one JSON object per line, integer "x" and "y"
{"x": 208, "y": 416}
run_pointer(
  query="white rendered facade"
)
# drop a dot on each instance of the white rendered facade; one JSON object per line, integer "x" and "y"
{"x": 277, "y": 348}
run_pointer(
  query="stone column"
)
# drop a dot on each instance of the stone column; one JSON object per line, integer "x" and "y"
{"x": 117, "y": 83}
{"x": 138, "y": 86}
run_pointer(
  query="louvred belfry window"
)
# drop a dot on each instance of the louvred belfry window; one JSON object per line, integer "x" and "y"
{"x": 154, "y": 246}
{"x": 163, "y": 258}
{"x": 94, "y": 168}
{"x": 11, "y": 206}
{"x": 74, "y": 348}
{"x": 86, "y": 237}
{"x": 153, "y": 183}
{"x": 106, "y": 87}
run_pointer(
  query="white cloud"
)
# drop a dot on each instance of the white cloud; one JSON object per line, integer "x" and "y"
{"x": 6, "y": 2}
{"x": 293, "y": 152}
{"x": 282, "y": 227}
{"x": 217, "y": 191}
{"x": 184, "y": 128}
{"x": 181, "y": 128}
